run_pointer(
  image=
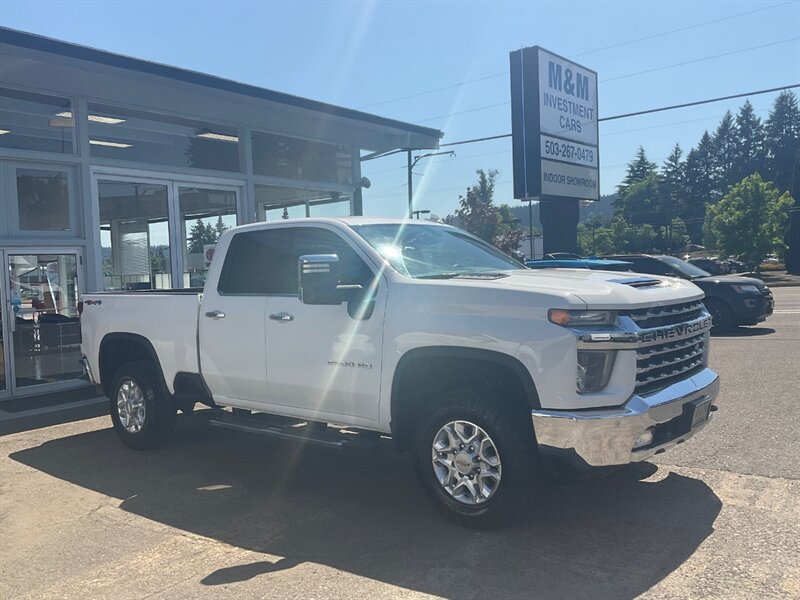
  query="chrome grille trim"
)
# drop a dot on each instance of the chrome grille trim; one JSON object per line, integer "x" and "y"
{"x": 649, "y": 351}
{"x": 674, "y": 311}
{"x": 666, "y": 363}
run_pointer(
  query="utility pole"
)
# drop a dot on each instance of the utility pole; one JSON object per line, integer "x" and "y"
{"x": 411, "y": 165}
{"x": 417, "y": 213}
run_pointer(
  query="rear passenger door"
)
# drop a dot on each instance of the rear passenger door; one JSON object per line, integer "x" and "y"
{"x": 233, "y": 316}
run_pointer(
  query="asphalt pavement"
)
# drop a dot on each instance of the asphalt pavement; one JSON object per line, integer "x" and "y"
{"x": 219, "y": 512}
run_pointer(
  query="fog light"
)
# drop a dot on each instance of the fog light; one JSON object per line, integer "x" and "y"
{"x": 594, "y": 370}
{"x": 644, "y": 440}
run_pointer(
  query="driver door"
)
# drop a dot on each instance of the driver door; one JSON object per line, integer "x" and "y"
{"x": 320, "y": 359}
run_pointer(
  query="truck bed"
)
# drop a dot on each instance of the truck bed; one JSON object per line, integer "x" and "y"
{"x": 167, "y": 319}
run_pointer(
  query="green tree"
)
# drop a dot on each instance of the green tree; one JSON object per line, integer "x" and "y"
{"x": 749, "y": 147}
{"x": 478, "y": 214}
{"x": 750, "y": 221}
{"x": 642, "y": 202}
{"x": 219, "y": 228}
{"x": 639, "y": 169}
{"x": 724, "y": 153}
{"x": 673, "y": 188}
{"x": 201, "y": 234}
{"x": 783, "y": 143}
{"x": 699, "y": 173}
{"x": 679, "y": 234}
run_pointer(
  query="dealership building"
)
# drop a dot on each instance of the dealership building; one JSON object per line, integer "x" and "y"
{"x": 119, "y": 174}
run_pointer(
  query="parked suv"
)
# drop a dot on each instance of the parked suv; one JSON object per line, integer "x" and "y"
{"x": 732, "y": 300}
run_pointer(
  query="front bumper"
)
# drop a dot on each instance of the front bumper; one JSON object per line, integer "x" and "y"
{"x": 753, "y": 308}
{"x": 608, "y": 436}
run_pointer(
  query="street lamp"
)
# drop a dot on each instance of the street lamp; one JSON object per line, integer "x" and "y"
{"x": 417, "y": 213}
{"x": 411, "y": 165}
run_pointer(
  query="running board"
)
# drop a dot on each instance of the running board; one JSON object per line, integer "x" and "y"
{"x": 307, "y": 432}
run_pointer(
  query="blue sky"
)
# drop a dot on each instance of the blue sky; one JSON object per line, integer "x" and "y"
{"x": 366, "y": 55}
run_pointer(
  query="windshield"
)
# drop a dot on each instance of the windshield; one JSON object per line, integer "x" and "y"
{"x": 684, "y": 268}
{"x": 425, "y": 251}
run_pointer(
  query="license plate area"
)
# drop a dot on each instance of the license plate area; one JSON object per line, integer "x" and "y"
{"x": 700, "y": 410}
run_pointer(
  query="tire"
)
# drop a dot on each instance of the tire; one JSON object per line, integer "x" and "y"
{"x": 143, "y": 414}
{"x": 512, "y": 487}
{"x": 721, "y": 317}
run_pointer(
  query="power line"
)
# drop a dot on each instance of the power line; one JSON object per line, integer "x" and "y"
{"x": 680, "y": 29}
{"x": 699, "y": 102}
{"x": 641, "y": 112}
{"x": 655, "y": 69}
{"x": 697, "y": 60}
{"x": 584, "y": 53}
{"x": 508, "y": 150}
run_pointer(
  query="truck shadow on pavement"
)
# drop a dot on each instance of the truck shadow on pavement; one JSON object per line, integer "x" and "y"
{"x": 363, "y": 512}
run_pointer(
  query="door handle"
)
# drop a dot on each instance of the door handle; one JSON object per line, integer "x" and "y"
{"x": 215, "y": 314}
{"x": 282, "y": 316}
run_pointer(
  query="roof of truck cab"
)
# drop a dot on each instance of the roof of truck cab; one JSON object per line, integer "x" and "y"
{"x": 337, "y": 221}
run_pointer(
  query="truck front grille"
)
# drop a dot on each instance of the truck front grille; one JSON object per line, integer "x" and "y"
{"x": 647, "y": 318}
{"x": 662, "y": 365}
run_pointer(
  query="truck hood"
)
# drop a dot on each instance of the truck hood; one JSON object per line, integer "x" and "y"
{"x": 604, "y": 289}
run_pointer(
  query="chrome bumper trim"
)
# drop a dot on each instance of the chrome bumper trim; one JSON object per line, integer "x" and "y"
{"x": 604, "y": 437}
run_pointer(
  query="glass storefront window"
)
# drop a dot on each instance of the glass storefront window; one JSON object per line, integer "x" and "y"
{"x": 43, "y": 200}
{"x": 36, "y": 122}
{"x": 292, "y": 158}
{"x": 205, "y": 215}
{"x": 47, "y": 335}
{"x": 328, "y": 204}
{"x": 134, "y": 235}
{"x": 274, "y": 203}
{"x": 127, "y": 134}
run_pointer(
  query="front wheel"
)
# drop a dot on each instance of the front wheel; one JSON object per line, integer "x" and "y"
{"x": 478, "y": 460}
{"x": 142, "y": 413}
{"x": 722, "y": 319}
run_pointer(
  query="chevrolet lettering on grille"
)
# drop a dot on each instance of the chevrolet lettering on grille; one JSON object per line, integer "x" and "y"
{"x": 675, "y": 331}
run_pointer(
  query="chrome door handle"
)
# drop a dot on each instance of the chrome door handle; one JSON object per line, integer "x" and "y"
{"x": 215, "y": 314}
{"x": 282, "y": 316}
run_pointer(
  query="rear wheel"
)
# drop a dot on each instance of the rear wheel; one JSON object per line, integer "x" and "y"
{"x": 477, "y": 459}
{"x": 143, "y": 414}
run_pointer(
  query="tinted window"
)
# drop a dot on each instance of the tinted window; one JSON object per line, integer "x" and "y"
{"x": 43, "y": 200}
{"x": 259, "y": 262}
{"x": 352, "y": 270}
{"x": 265, "y": 262}
{"x": 128, "y": 134}
{"x": 35, "y": 122}
{"x": 292, "y": 158}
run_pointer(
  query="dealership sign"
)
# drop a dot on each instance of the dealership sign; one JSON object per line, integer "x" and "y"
{"x": 554, "y": 127}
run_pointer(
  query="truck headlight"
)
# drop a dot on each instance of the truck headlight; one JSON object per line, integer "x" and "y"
{"x": 578, "y": 318}
{"x": 594, "y": 370}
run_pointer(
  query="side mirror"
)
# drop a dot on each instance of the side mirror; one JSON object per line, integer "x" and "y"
{"x": 318, "y": 276}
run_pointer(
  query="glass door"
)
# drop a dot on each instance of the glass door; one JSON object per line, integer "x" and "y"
{"x": 206, "y": 212}
{"x": 160, "y": 233}
{"x": 4, "y": 311}
{"x": 42, "y": 288}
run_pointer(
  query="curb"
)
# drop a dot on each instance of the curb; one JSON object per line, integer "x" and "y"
{"x": 45, "y": 416}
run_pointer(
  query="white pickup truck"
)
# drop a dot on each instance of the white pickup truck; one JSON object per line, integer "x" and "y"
{"x": 482, "y": 368}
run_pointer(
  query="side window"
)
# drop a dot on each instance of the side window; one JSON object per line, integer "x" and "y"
{"x": 313, "y": 240}
{"x": 656, "y": 267}
{"x": 259, "y": 262}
